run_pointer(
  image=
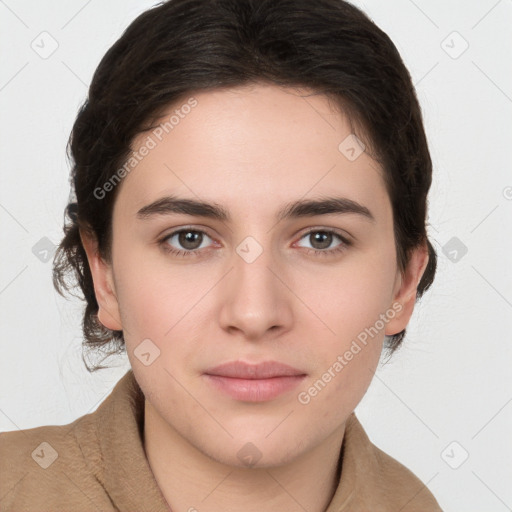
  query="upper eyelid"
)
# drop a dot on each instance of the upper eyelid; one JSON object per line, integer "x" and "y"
{"x": 336, "y": 231}
{"x": 187, "y": 228}
{"x": 345, "y": 238}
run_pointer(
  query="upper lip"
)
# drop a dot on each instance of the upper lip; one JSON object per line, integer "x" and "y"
{"x": 264, "y": 370}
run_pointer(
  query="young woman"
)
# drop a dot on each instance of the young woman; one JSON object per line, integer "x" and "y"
{"x": 251, "y": 183}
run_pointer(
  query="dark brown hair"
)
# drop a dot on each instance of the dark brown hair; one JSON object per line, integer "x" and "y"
{"x": 182, "y": 46}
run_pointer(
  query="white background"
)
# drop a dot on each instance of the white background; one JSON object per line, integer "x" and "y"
{"x": 451, "y": 381}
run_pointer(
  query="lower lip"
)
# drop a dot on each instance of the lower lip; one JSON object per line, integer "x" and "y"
{"x": 255, "y": 390}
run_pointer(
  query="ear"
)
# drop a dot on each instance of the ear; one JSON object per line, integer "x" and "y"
{"x": 108, "y": 307}
{"x": 406, "y": 287}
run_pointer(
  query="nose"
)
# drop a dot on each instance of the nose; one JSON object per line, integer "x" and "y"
{"x": 256, "y": 303}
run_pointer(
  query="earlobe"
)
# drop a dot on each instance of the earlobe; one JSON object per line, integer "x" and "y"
{"x": 104, "y": 289}
{"x": 407, "y": 290}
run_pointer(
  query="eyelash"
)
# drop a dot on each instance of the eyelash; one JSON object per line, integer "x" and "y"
{"x": 196, "y": 252}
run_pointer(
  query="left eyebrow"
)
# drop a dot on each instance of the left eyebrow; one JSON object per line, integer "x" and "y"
{"x": 301, "y": 208}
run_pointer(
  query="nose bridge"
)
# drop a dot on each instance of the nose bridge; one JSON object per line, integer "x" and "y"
{"x": 255, "y": 298}
{"x": 253, "y": 262}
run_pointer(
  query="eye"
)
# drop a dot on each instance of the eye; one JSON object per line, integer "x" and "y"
{"x": 189, "y": 239}
{"x": 186, "y": 242}
{"x": 323, "y": 238}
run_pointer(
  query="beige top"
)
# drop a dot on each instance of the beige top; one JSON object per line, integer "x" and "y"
{"x": 98, "y": 463}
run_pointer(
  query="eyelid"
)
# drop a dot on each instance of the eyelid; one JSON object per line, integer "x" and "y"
{"x": 346, "y": 237}
{"x": 176, "y": 230}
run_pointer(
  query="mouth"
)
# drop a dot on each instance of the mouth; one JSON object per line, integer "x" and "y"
{"x": 254, "y": 383}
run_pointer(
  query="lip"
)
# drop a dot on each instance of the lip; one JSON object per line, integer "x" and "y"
{"x": 264, "y": 370}
{"x": 254, "y": 382}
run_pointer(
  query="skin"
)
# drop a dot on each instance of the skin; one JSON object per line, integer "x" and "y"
{"x": 251, "y": 149}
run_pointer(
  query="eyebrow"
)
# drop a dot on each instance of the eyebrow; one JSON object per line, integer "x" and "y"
{"x": 301, "y": 208}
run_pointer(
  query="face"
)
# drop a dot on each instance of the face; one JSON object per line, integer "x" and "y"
{"x": 310, "y": 287}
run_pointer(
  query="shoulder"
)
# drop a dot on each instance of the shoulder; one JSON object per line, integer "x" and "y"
{"x": 391, "y": 475}
{"x": 376, "y": 481}
{"x": 54, "y": 466}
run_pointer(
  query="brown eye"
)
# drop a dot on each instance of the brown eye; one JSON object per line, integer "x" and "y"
{"x": 185, "y": 242}
{"x": 321, "y": 241}
{"x": 189, "y": 239}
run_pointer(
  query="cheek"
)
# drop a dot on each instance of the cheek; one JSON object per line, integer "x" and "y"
{"x": 344, "y": 369}
{"x": 147, "y": 300}
{"x": 356, "y": 305}
{"x": 159, "y": 300}
{"x": 353, "y": 297}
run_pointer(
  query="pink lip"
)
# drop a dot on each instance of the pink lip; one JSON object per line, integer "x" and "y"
{"x": 254, "y": 383}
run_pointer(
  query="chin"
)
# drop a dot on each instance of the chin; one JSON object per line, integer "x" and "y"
{"x": 254, "y": 450}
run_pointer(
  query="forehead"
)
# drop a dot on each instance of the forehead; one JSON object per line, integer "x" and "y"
{"x": 251, "y": 147}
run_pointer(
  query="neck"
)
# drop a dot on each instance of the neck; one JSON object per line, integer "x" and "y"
{"x": 191, "y": 481}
